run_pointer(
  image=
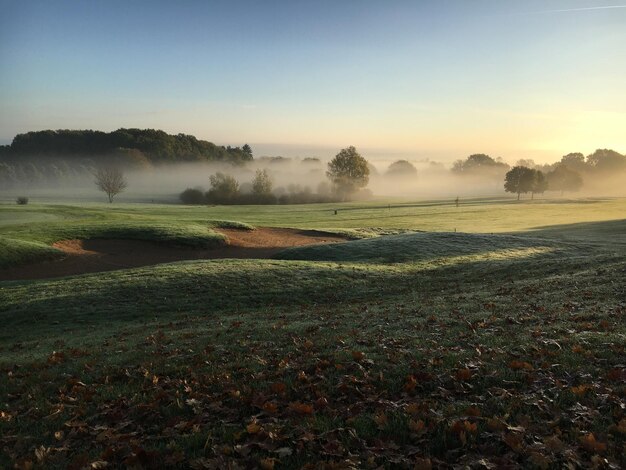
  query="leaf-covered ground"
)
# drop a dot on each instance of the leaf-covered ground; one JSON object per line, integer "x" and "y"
{"x": 488, "y": 358}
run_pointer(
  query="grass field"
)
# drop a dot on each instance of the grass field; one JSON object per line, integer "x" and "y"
{"x": 499, "y": 346}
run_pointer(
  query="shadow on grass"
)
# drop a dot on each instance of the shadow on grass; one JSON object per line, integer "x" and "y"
{"x": 30, "y": 310}
{"x": 414, "y": 247}
{"x": 607, "y": 232}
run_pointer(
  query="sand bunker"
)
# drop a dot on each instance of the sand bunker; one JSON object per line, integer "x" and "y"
{"x": 88, "y": 256}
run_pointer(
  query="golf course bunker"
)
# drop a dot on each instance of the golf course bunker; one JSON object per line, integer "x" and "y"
{"x": 96, "y": 255}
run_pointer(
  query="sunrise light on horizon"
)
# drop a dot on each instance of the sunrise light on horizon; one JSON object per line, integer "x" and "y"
{"x": 533, "y": 79}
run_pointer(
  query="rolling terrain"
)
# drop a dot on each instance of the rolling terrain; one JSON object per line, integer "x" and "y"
{"x": 489, "y": 335}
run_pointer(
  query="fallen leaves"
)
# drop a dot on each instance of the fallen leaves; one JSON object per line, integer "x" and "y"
{"x": 253, "y": 428}
{"x": 463, "y": 374}
{"x": 591, "y": 444}
{"x": 268, "y": 402}
{"x": 301, "y": 408}
{"x": 520, "y": 365}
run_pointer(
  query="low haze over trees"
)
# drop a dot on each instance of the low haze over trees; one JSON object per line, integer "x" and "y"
{"x": 48, "y": 159}
{"x": 347, "y": 175}
{"x": 348, "y": 172}
{"x": 401, "y": 168}
{"x": 563, "y": 178}
{"x": 224, "y": 188}
{"x": 262, "y": 186}
{"x": 479, "y": 163}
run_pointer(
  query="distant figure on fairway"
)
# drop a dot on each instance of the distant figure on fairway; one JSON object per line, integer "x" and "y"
{"x": 335, "y": 211}
{"x": 456, "y": 201}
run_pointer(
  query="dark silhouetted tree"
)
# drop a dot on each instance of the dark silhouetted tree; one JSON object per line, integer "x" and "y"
{"x": 519, "y": 180}
{"x": 192, "y": 196}
{"x": 605, "y": 160}
{"x": 247, "y": 151}
{"x": 575, "y": 161}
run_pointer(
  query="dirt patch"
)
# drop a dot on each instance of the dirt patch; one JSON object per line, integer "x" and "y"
{"x": 89, "y": 256}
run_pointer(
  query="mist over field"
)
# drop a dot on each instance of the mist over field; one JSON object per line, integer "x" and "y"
{"x": 164, "y": 183}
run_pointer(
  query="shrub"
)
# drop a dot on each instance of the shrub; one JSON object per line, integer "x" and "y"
{"x": 22, "y": 201}
{"x": 224, "y": 189}
{"x": 192, "y": 196}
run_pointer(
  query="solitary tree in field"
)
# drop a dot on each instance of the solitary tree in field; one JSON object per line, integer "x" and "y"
{"x": 110, "y": 181}
{"x": 519, "y": 180}
{"x": 348, "y": 172}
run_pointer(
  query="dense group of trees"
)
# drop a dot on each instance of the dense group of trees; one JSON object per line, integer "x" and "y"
{"x": 522, "y": 180}
{"x": 73, "y": 157}
{"x": 569, "y": 174}
{"x": 225, "y": 189}
{"x": 155, "y": 146}
{"x": 348, "y": 173}
{"x": 54, "y": 157}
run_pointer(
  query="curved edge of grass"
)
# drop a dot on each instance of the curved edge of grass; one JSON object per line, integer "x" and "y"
{"x": 364, "y": 233}
{"x": 233, "y": 224}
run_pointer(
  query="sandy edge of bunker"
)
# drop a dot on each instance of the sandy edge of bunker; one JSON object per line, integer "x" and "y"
{"x": 99, "y": 255}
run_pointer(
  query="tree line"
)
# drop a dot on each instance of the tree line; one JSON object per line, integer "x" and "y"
{"x": 155, "y": 146}
{"x": 568, "y": 174}
{"x": 598, "y": 162}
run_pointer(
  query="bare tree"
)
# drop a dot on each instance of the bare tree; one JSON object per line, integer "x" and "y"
{"x": 111, "y": 181}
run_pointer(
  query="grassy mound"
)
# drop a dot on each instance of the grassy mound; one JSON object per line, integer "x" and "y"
{"x": 411, "y": 247}
{"x": 14, "y": 252}
{"x": 195, "y": 236}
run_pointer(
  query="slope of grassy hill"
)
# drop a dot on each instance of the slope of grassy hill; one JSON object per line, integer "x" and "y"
{"x": 417, "y": 350}
{"x": 420, "y": 247}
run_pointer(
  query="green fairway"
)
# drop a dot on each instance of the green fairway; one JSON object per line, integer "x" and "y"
{"x": 191, "y": 225}
{"x": 415, "y": 345}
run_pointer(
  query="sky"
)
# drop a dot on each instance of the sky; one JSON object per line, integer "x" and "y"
{"x": 438, "y": 79}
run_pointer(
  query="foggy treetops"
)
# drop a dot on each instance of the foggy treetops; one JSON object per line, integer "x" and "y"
{"x": 71, "y": 158}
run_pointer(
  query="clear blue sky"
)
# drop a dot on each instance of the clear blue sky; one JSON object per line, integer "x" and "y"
{"x": 440, "y": 78}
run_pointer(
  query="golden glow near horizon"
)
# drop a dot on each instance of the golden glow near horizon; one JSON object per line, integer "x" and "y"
{"x": 430, "y": 79}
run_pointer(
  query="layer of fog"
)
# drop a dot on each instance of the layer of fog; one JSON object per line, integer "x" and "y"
{"x": 163, "y": 184}
{"x": 292, "y": 175}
